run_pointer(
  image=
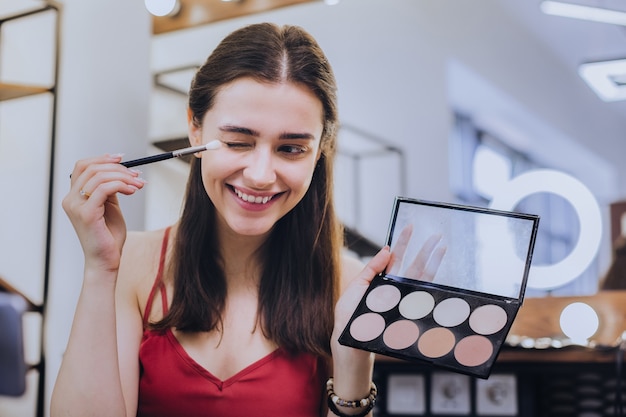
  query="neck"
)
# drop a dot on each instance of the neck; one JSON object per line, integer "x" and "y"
{"x": 242, "y": 265}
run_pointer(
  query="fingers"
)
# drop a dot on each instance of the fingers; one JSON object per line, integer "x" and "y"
{"x": 427, "y": 261}
{"x": 399, "y": 248}
{"x": 417, "y": 268}
{"x": 433, "y": 264}
{"x": 93, "y": 208}
{"x": 96, "y": 179}
{"x": 83, "y": 164}
{"x": 375, "y": 266}
{"x": 357, "y": 285}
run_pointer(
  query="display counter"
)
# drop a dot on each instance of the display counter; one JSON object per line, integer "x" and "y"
{"x": 539, "y": 372}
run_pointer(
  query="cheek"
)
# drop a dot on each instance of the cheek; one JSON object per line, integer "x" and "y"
{"x": 299, "y": 177}
{"x": 217, "y": 164}
{"x": 214, "y": 170}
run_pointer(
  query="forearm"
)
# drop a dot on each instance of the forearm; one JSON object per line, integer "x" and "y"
{"x": 352, "y": 375}
{"x": 353, "y": 368}
{"x": 88, "y": 382}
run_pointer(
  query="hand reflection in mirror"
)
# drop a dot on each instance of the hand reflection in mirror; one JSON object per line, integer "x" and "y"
{"x": 426, "y": 262}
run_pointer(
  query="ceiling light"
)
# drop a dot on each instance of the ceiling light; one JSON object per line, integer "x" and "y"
{"x": 607, "y": 79}
{"x": 594, "y": 14}
{"x": 162, "y": 7}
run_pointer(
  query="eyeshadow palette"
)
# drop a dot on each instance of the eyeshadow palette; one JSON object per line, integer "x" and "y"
{"x": 453, "y": 288}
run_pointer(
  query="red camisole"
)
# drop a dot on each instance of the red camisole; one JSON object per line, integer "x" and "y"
{"x": 173, "y": 384}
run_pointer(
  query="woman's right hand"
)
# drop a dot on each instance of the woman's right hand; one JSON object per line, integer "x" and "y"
{"x": 93, "y": 208}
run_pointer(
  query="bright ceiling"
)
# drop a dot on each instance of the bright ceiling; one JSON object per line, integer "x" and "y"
{"x": 575, "y": 41}
{"x": 580, "y": 41}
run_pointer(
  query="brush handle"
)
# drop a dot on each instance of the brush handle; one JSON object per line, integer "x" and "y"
{"x": 174, "y": 154}
{"x": 148, "y": 159}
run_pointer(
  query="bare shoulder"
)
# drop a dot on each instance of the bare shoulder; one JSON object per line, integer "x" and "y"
{"x": 141, "y": 250}
{"x": 351, "y": 266}
{"x": 140, "y": 263}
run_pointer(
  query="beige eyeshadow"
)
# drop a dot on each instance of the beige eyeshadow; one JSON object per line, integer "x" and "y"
{"x": 416, "y": 305}
{"x": 451, "y": 312}
{"x": 488, "y": 319}
{"x": 401, "y": 334}
{"x": 383, "y": 298}
{"x": 436, "y": 342}
{"x": 473, "y": 350}
{"x": 367, "y": 327}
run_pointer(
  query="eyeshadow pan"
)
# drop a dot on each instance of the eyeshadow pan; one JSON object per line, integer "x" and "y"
{"x": 488, "y": 319}
{"x": 383, "y": 298}
{"x": 451, "y": 312}
{"x": 367, "y": 327}
{"x": 401, "y": 334}
{"x": 436, "y": 342}
{"x": 416, "y": 305}
{"x": 473, "y": 350}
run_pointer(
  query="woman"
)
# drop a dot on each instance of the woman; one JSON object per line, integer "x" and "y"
{"x": 236, "y": 308}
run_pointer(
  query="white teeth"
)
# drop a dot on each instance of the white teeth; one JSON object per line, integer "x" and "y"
{"x": 251, "y": 198}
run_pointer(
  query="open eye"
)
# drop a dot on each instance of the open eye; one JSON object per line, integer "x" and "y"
{"x": 293, "y": 149}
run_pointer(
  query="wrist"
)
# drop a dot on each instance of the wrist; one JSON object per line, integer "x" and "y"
{"x": 350, "y": 359}
{"x": 100, "y": 276}
{"x": 359, "y": 407}
{"x": 352, "y": 371}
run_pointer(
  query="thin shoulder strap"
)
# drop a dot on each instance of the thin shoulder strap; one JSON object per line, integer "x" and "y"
{"x": 158, "y": 280}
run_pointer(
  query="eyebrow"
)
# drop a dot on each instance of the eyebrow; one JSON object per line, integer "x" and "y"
{"x": 256, "y": 133}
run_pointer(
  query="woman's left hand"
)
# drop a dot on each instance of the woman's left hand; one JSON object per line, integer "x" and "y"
{"x": 356, "y": 288}
{"x": 353, "y": 368}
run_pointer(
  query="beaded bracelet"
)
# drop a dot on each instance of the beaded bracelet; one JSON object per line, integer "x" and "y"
{"x": 367, "y": 403}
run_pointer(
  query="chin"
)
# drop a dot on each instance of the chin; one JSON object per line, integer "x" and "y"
{"x": 252, "y": 230}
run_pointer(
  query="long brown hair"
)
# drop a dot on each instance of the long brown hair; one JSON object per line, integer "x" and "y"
{"x": 301, "y": 264}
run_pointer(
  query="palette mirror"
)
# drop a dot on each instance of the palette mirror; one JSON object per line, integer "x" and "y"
{"x": 453, "y": 288}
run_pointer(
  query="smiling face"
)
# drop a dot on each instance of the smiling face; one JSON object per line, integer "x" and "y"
{"x": 271, "y": 137}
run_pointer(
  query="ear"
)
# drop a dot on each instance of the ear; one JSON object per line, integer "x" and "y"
{"x": 193, "y": 131}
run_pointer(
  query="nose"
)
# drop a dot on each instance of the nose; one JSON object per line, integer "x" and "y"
{"x": 260, "y": 171}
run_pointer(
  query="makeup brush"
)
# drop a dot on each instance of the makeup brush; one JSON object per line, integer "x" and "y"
{"x": 173, "y": 154}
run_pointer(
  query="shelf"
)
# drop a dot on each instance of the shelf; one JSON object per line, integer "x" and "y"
{"x": 540, "y": 317}
{"x": 169, "y": 145}
{"x": 5, "y": 286}
{"x": 194, "y": 13}
{"x": 13, "y": 91}
{"x": 17, "y": 90}
{"x": 571, "y": 354}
